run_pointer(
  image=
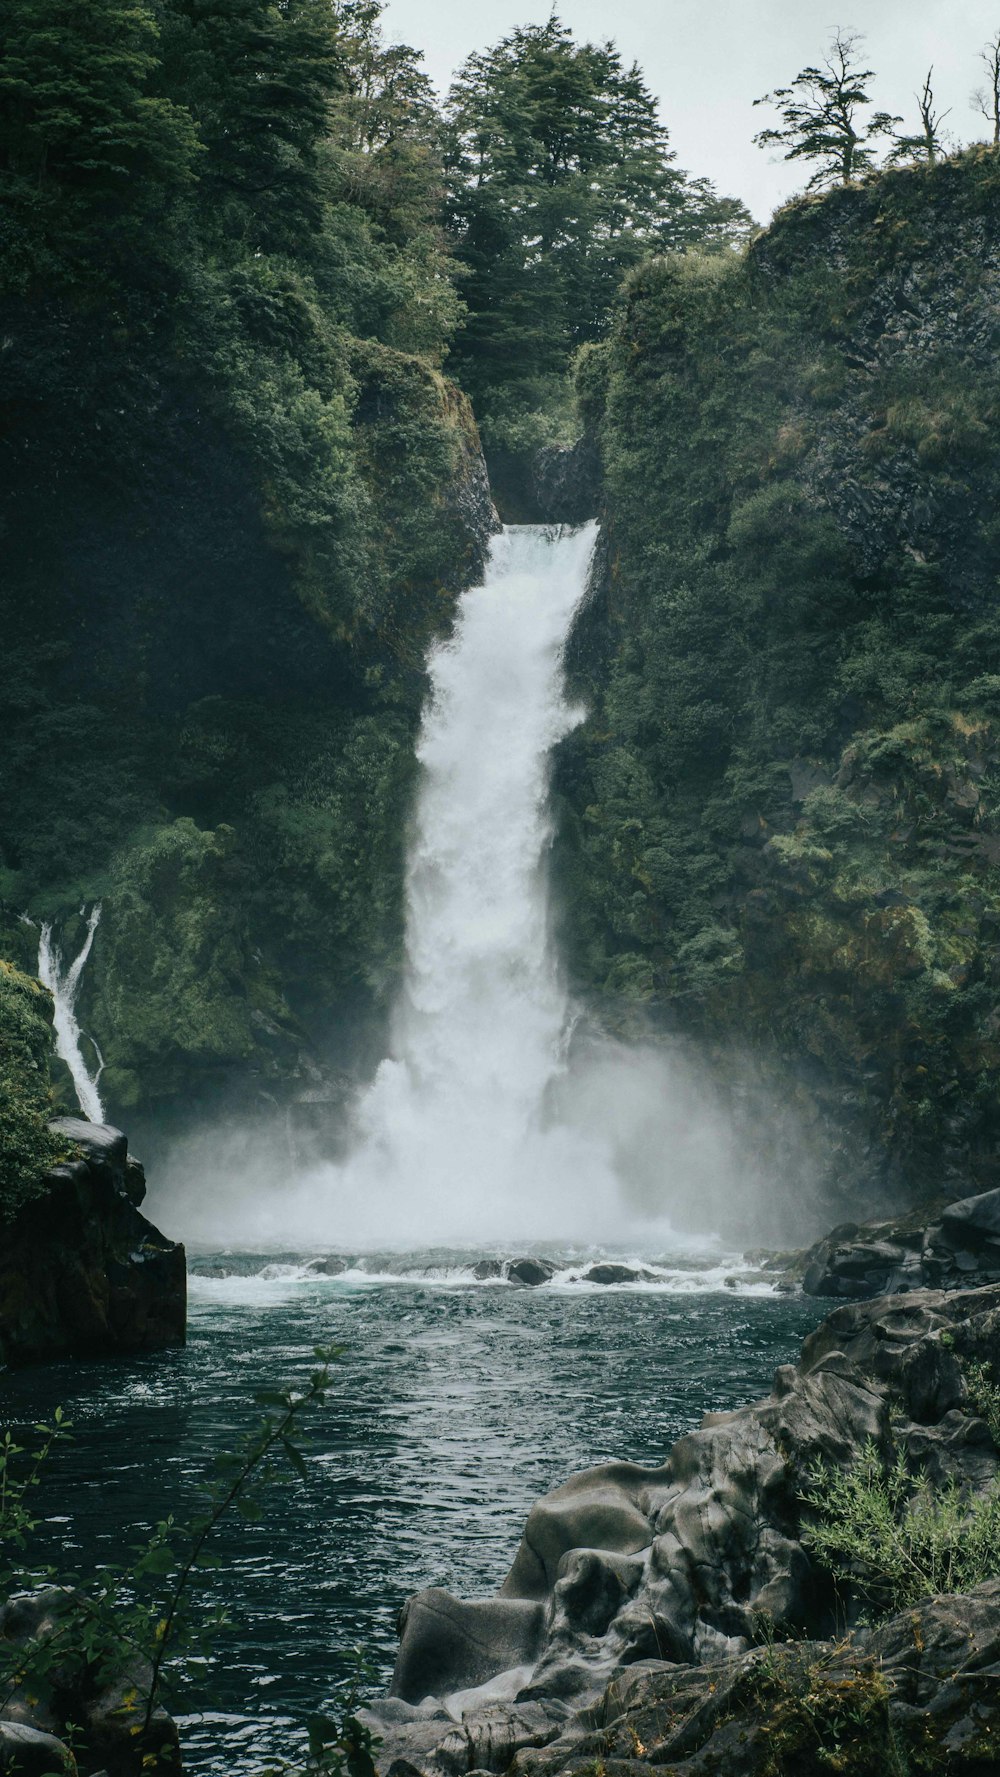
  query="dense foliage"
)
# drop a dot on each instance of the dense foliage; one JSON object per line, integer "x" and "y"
{"x": 782, "y": 818}
{"x": 560, "y": 178}
{"x": 26, "y": 1146}
{"x": 238, "y": 498}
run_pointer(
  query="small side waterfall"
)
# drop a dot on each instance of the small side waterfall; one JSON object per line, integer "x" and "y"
{"x": 63, "y": 983}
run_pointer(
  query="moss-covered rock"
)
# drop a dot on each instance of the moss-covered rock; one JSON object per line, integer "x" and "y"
{"x": 27, "y": 1146}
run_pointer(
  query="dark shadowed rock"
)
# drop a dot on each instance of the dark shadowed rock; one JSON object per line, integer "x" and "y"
{"x": 82, "y": 1273}
{"x": 975, "y": 1218}
{"x": 531, "y": 1272}
{"x": 606, "y": 1273}
{"x": 327, "y": 1267}
{"x": 25, "y": 1752}
{"x": 103, "y": 1713}
{"x": 487, "y": 1268}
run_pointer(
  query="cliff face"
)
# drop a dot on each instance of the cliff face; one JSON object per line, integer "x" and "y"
{"x": 781, "y": 829}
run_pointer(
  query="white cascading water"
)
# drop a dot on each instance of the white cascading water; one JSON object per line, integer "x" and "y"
{"x": 63, "y": 984}
{"x": 453, "y": 1138}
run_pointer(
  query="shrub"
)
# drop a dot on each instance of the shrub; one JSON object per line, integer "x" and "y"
{"x": 898, "y": 1538}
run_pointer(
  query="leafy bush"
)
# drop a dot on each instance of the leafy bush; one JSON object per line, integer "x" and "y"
{"x": 145, "y": 1610}
{"x": 899, "y": 1539}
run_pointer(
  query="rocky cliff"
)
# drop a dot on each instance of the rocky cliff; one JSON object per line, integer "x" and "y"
{"x": 82, "y": 1272}
{"x": 781, "y": 826}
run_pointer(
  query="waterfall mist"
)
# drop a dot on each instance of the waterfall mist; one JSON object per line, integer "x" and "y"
{"x": 496, "y": 1117}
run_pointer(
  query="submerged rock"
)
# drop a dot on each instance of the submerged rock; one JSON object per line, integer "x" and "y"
{"x": 607, "y": 1273}
{"x": 656, "y": 1581}
{"x": 82, "y": 1273}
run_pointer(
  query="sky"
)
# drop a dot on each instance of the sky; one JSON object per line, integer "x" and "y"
{"x": 707, "y": 60}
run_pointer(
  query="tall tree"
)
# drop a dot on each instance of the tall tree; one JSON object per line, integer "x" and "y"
{"x": 560, "y": 177}
{"x": 927, "y": 143}
{"x": 258, "y": 77}
{"x": 821, "y": 116}
{"x": 987, "y": 98}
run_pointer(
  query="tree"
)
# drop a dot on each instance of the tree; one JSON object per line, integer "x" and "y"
{"x": 560, "y": 177}
{"x": 927, "y": 143}
{"x": 821, "y": 120}
{"x": 258, "y": 78}
{"x": 987, "y": 98}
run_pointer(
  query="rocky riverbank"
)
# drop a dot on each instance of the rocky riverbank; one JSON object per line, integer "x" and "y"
{"x": 676, "y": 1614}
{"x": 82, "y": 1272}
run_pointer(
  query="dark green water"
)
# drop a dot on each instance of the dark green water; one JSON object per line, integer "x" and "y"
{"x": 456, "y": 1405}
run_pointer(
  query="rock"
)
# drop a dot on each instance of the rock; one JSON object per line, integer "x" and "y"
{"x": 657, "y": 1579}
{"x": 487, "y": 1268}
{"x": 82, "y": 1273}
{"x": 530, "y": 1272}
{"x": 25, "y": 1752}
{"x": 974, "y": 1218}
{"x": 327, "y": 1267}
{"x": 605, "y": 1273}
{"x": 448, "y": 1645}
{"x": 950, "y": 1248}
{"x": 105, "y": 1714}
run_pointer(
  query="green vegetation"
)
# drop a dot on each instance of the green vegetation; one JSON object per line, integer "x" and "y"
{"x": 899, "y": 1539}
{"x": 226, "y": 298}
{"x": 560, "y": 179}
{"x": 26, "y": 1146}
{"x": 780, "y": 825}
{"x": 138, "y": 1625}
{"x": 820, "y": 116}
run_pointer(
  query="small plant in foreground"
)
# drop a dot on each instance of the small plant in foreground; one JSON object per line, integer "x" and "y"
{"x": 898, "y": 1538}
{"x": 137, "y": 1621}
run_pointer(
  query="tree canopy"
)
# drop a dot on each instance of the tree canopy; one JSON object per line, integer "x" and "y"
{"x": 821, "y": 116}
{"x": 560, "y": 177}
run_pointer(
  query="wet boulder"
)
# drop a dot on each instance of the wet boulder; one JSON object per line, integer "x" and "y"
{"x": 530, "y": 1272}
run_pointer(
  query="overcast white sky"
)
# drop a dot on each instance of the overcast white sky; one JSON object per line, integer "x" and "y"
{"x": 707, "y": 60}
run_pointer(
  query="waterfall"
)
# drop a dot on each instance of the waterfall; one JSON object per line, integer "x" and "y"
{"x": 482, "y": 1127}
{"x": 454, "y": 1137}
{"x": 63, "y": 983}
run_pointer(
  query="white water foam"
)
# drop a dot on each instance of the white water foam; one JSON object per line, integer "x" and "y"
{"x": 63, "y": 984}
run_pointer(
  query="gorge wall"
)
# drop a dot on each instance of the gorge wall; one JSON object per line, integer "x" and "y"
{"x": 781, "y": 823}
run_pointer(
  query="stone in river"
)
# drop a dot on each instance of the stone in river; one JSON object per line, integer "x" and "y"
{"x": 530, "y": 1271}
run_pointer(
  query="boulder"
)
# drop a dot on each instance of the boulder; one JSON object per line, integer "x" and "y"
{"x": 82, "y": 1273}
{"x": 656, "y": 1581}
{"x": 485, "y": 1269}
{"x": 608, "y": 1273}
{"x": 530, "y": 1272}
{"x": 103, "y": 1713}
{"x": 974, "y": 1218}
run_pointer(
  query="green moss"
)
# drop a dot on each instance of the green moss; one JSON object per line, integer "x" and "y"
{"x": 27, "y": 1148}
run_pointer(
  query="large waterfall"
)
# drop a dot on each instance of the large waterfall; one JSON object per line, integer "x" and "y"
{"x": 481, "y": 1127}
{"x": 453, "y": 1137}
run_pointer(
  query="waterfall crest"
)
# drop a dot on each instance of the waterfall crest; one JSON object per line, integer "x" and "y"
{"x": 63, "y": 983}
